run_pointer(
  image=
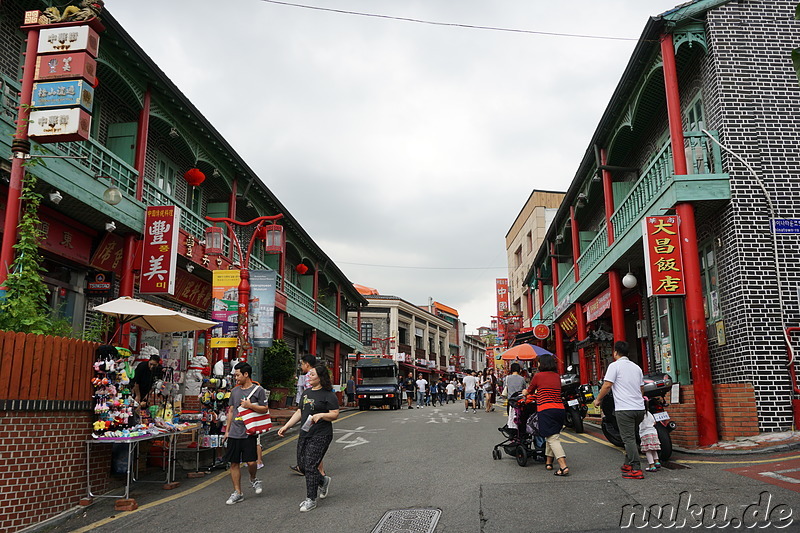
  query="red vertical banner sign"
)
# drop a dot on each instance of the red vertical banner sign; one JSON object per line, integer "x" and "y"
{"x": 501, "y": 290}
{"x": 662, "y": 256}
{"x": 160, "y": 250}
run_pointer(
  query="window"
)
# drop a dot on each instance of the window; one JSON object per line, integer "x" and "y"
{"x": 695, "y": 117}
{"x": 518, "y": 257}
{"x": 366, "y": 334}
{"x": 708, "y": 279}
{"x": 530, "y": 242}
{"x": 165, "y": 180}
{"x": 403, "y": 334}
{"x": 194, "y": 200}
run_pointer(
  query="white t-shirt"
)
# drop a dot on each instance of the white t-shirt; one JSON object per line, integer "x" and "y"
{"x": 422, "y": 384}
{"x": 626, "y": 377}
{"x": 451, "y": 389}
{"x": 469, "y": 383}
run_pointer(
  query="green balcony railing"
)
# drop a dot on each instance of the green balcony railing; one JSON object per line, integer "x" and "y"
{"x": 566, "y": 284}
{"x": 547, "y": 309}
{"x": 593, "y": 253}
{"x": 297, "y": 296}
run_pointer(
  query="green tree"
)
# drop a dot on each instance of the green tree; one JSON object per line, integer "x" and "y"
{"x": 279, "y": 365}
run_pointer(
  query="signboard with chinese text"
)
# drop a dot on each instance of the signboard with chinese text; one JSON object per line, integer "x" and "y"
{"x": 598, "y": 305}
{"x": 160, "y": 250}
{"x": 192, "y": 290}
{"x": 263, "y": 284}
{"x": 73, "y": 39}
{"x": 66, "y": 241}
{"x": 662, "y": 256}
{"x": 541, "y": 331}
{"x": 66, "y": 93}
{"x": 66, "y": 67}
{"x": 501, "y": 290}
{"x": 109, "y": 253}
{"x": 225, "y": 310}
{"x": 59, "y": 125}
{"x": 569, "y": 323}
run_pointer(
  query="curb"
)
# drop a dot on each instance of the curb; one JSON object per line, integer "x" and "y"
{"x": 754, "y": 451}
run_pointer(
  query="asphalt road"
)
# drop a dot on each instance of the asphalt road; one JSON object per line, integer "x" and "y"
{"x": 440, "y": 458}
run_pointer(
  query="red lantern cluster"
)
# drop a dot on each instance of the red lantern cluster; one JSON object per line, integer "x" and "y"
{"x": 301, "y": 269}
{"x": 194, "y": 177}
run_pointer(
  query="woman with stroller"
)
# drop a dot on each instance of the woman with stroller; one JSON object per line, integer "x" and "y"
{"x": 546, "y": 383}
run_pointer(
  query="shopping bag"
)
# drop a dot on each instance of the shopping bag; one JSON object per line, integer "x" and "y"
{"x": 255, "y": 423}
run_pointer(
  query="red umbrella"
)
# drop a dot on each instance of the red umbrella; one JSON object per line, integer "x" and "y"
{"x": 524, "y": 352}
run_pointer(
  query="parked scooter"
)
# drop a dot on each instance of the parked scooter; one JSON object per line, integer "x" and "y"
{"x": 656, "y": 387}
{"x": 576, "y": 398}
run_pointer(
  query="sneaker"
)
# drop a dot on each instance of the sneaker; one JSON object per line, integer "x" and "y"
{"x": 658, "y": 465}
{"x": 323, "y": 489}
{"x": 236, "y": 497}
{"x": 410, "y": 407}
{"x": 474, "y": 411}
{"x": 296, "y": 470}
{"x": 651, "y": 469}
{"x": 625, "y": 468}
{"x": 257, "y": 486}
{"x": 466, "y": 410}
{"x": 633, "y": 474}
{"x": 307, "y": 505}
{"x": 259, "y": 466}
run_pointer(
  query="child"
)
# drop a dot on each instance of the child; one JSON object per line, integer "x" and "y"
{"x": 650, "y": 442}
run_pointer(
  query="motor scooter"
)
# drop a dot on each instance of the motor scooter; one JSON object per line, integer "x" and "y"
{"x": 655, "y": 388}
{"x": 576, "y": 398}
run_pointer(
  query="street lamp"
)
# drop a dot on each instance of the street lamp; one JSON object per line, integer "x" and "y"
{"x": 214, "y": 246}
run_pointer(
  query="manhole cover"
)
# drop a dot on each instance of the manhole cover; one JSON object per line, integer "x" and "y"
{"x": 409, "y": 521}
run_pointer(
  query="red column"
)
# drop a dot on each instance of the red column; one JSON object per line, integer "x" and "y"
{"x": 617, "y": 307}
{"x": 279, "y": 322}
{"x": 529, "y": 302}
{"x": 642, "y": 343}
{"x": 554, "y": 268}
{"x": 576, "y": 242}
{"x": 695, "y": 315}
{"x": 583, "y": 367}
{"x": 13, "y": 203}
{"x": 559, "y": 347}
{"x": 608, "y": 197}
{"x": 313, "y": 342}
{"x": 244, "y": 310}
{"x": 142, "y": 132}
{"x": 337, "y": 361}
{"x": 126, "y": 282}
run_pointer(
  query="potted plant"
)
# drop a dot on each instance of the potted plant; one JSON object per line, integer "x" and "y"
{"x": 279, "y": 367}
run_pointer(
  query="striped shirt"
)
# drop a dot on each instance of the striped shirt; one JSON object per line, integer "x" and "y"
{"x": 547, "y": 386}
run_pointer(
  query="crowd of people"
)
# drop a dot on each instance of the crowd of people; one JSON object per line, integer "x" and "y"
{"x": 478, "y": 390}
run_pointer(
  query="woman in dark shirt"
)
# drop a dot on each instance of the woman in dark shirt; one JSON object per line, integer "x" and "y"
{"x": 319, "y": 407}
{"x": 547, "y": 385}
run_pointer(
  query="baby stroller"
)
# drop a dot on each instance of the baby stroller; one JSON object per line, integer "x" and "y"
{"x": 521, "y": 442}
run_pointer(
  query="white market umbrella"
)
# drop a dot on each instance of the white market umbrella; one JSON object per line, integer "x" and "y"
{"x": 154, "y": 317}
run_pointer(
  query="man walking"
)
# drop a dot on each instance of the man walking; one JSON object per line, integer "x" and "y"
{"x": 241, "y": 447}
{"x": 422, "y": 385}
{"x": 624, "y": 379}
{"x": 408, "y": 386}
{"x": 469, "y": 392}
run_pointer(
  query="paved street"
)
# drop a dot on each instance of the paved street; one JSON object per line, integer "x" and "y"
{"x": 441, "y": 458}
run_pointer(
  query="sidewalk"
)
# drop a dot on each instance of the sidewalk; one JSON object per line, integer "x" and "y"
{"x": 761, "y": 443}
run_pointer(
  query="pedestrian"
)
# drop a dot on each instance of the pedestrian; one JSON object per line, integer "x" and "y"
{"x": 550, "y": 408}
{"x": 422, "y": 385}
{"x": 625, "y": 380}
{"x": 442, "y": 392}
{"x": 307, "y": 362}
{"x": 469, "y": 392}
{"x": 460, "y": 390}
{"x": 490, "y": 389}
{"x": 478, "y": 389}
{"x": 650, "y": 445}
{"x": 351, "y": 391}
{"x": 451, "y": 392}
{"x": 144, "y": 376}
{"x": 318, "y": 409}
{"x": 239, "y": 446}
{"x": 514, "y": 383}
{"x": 408, "y": 387}
{"x": 434, "y": 392}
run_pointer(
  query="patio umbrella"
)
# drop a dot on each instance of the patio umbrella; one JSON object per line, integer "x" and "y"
{"x": 524, "y": 352}
{"x": 154, "y": 317}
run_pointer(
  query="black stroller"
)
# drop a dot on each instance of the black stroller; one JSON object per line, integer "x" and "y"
{"x": 521, "y": 443}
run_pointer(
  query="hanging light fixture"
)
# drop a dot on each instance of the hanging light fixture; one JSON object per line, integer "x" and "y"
{"x": 194, "y": 177}
{"x": 301, "y": 269}
{"x": 56, "y": 197}
{"x": 629, "y": 281}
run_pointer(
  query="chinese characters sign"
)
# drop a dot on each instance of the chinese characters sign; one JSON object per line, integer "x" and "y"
{"x": 226, "y": 309}
{"x": 501, "y": 289}
{"x": 662, "y": 256}
{"x": 160, "y": 250}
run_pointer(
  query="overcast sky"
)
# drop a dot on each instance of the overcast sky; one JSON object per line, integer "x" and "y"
{"x": 406, "y": 150}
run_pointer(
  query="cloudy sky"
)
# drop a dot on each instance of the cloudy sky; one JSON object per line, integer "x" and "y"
{"x": 405, "y": 149}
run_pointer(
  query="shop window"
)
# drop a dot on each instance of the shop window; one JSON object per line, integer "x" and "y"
{"x": 366, "y": 334}
{"x": 708, "y": 279}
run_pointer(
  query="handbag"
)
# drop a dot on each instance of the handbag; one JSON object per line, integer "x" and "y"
{"x": 255, "y": 423}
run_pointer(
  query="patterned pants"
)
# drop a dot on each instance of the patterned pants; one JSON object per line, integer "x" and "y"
{"x": 310, "y": 451}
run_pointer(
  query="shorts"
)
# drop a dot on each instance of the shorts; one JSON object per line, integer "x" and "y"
{"x": 469, "y": 395}
{"x": 241, "y": 450}
{"x": 351, "y": 397}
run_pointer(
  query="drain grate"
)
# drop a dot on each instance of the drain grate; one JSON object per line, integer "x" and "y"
{"x": 409, "y": 521}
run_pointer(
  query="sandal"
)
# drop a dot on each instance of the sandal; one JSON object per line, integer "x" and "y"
{"x": 549, "y": 466}
{"x": 562, "y": 472}
{"x": 651, "y": 469}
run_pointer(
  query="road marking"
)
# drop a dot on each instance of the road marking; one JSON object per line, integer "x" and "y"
{"x": 573, "y": 438}
{"x": 777, "y": 475}
{"x": 776, "y": 460}
{"x": 601, "y": 441}
{"x": 204, "y": 484}
{"x": 358, "y": 440}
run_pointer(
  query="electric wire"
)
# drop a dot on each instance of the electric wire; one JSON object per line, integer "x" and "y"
{"x": 452, "y": 24}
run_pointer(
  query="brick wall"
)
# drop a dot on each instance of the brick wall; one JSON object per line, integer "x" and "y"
{"x": 43, "y": 461}
{"x": 736, "y": 413}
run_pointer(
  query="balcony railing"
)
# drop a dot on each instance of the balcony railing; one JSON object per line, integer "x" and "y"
{"x": 566, "y": 284}
{"x": 594, "y": 252}
{"x": 547, "y": 308}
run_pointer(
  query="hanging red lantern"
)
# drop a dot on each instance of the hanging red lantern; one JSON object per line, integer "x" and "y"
{"x": 301, "y": 269}
{"x": 194, "y": 177}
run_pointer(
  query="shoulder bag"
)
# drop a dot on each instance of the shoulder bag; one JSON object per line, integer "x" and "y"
{"x": 255, "y": 423}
